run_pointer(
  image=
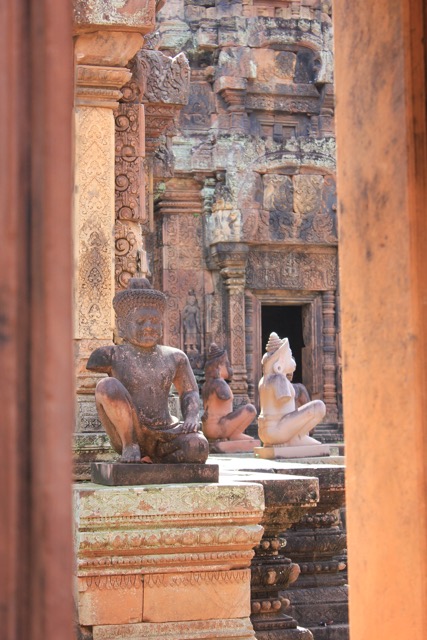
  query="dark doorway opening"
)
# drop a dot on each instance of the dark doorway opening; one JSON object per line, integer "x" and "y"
{"x": 286, "y": 321}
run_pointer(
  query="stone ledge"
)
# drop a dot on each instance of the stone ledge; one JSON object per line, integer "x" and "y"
{"x": 236, "y": 629}
{"x": 115, "y": 474}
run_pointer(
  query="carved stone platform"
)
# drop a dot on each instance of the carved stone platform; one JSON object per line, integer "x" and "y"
{"x": 316, "y": 542}
{"x": 287, "y": 499}
{"x": 284, "y": 451}
{"x": 119, "y": 474}
{"x": 233, "y": 446}
{"x": 168, "y": 561}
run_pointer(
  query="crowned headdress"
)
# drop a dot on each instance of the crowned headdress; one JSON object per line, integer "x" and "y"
{"x": 139, "y": 294}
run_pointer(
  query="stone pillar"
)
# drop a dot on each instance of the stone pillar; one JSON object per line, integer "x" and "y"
{"x": 329, "y": 357}
{"x": 382, "y": 187}
{"x": 101, "y": 57}
{"x": 232, "y": 258}
{"x": 170, "y": 561}
{"x": 36, "y": 391}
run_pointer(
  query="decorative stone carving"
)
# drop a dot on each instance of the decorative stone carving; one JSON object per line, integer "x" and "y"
{"x": 162, "y": 84}
{"x": 133, "y": 402}
{"x": 221, "y": 425}
{"x": 292, "y": 269}
{"x": 129, "y": 170}
{"x": 259, "y": 128}
{"x": 329, "y": 361}
{"x": 147, "y": 555}
{"x": 196, "y": 115}
{"x": 94, "y": 211}
{"x": 128, "y": 262}
{"x": 191, "y": 322}
{"x": 282, "y": 427}
{"x": 232, "y": 258}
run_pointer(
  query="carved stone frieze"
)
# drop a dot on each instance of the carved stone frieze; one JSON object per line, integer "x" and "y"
{"x": 292, "y": 269}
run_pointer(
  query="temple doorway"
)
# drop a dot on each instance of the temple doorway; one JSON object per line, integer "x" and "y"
{"x": 286, "y": 321}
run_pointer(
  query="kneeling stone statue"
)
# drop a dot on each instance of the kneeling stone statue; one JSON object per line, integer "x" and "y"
{"x": 282, "y": 427}
{"x": 132, "y": 402}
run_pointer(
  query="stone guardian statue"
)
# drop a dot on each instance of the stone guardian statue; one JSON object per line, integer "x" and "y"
{"x": 283, "y": 428}
{"x": 132, "y": 402}
{"x": 222, "y": 425}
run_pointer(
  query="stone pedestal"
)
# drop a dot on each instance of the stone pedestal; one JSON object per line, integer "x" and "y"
{"x": 316, "y": 542}
{"x": 120, "y": 474}
{"x": 233, "y": 446}
{"x": 166, "y": 561}
{"x": 286, "y": 451}
{"x": 287, "y": 499}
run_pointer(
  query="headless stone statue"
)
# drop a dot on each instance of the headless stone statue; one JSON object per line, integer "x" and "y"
{"x": 132, "y": 402}
{"x": 220, "y": 422}
{"x": 282, "y": 427}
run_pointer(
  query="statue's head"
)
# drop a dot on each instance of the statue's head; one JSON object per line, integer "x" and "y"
{"x": 191, "y": 297}
{"x": 140, "y": 310}
{"x": 217, "y": 363}
{"x": 278, "y": 357}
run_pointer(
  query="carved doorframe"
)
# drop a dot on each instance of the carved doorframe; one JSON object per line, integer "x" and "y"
{"x": 312, "y": 364}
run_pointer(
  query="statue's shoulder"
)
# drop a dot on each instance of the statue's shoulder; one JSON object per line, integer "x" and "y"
{"x": 101, "y": 358}
{"x": 173, "y": 352}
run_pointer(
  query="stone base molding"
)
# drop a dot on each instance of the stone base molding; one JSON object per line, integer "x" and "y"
{"x": 149, "y": 556}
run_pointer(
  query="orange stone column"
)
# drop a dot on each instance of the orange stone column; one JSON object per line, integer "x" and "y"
{"x": 36, "y": 390}
{"x": 381, "y": 135}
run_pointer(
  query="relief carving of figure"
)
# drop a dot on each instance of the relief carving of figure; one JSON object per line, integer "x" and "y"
{"x": 191, "y": 324}
{"x": 219, "y": 421}
{"x": 132, "y": 402}
{"x": 280, "y": 421}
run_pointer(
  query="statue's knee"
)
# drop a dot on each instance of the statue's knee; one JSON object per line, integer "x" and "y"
{"x": 195, "y": 447}
{"x": 251, "y": 410}
{"x": 320, "y": 408}
{"x": 110, "y": 388}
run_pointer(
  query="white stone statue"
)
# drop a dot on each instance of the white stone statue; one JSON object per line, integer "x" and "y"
{"x": 282, "y": 427}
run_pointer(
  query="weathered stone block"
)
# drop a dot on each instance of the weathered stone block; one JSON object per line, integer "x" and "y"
{"x": 169, "y": 553}
{"x": 110, "y": 599}
{"x": 115, "y": 474}
{"x": 124, "y": 15}
{"x": 236, "y": 629}
{"x": 201, "y": 595}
